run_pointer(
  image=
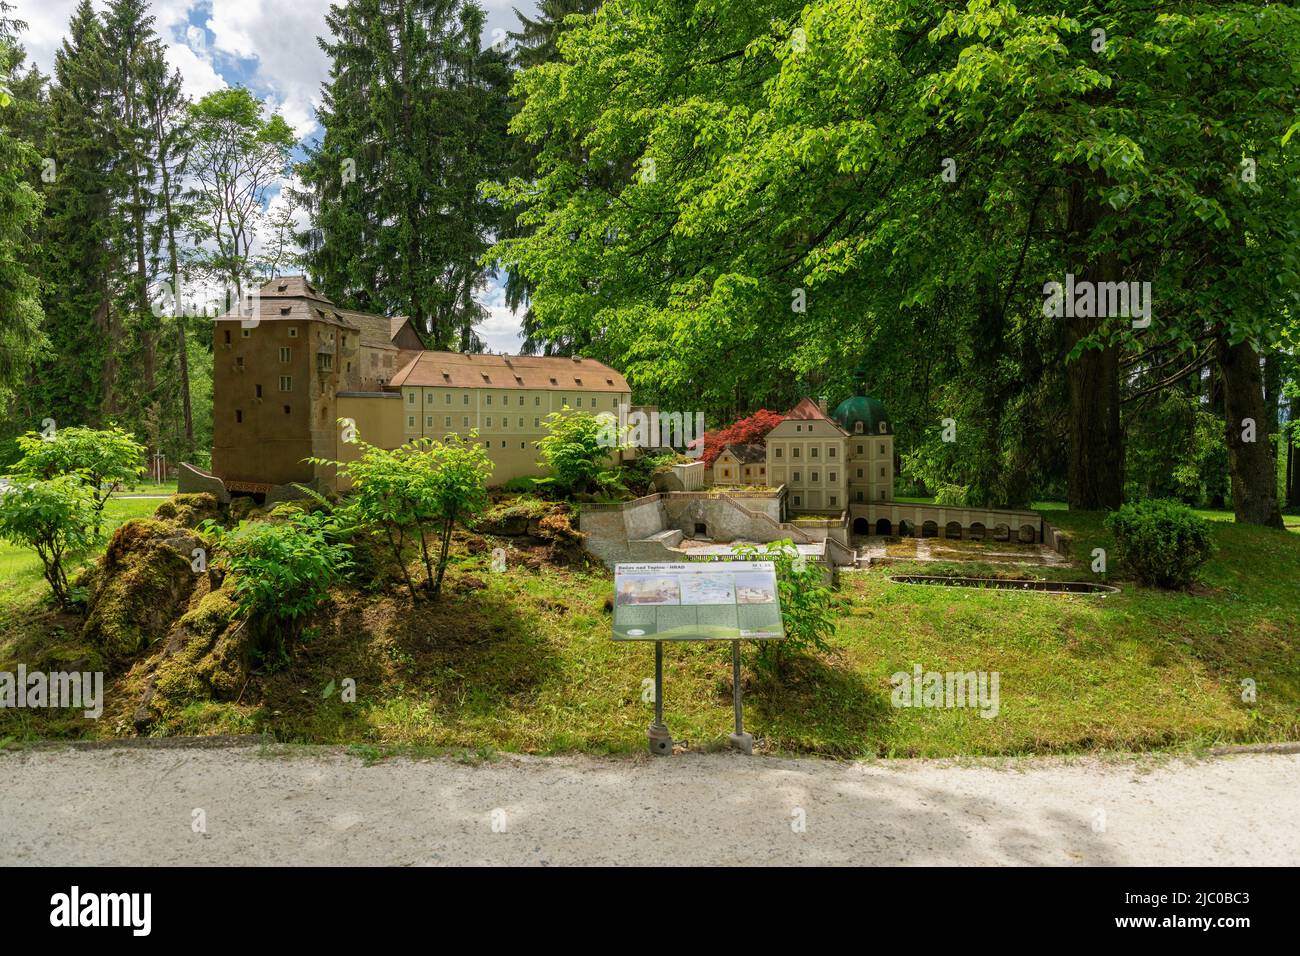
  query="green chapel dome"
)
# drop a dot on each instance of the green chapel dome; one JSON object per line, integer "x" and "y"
{"x": 862, "y": 409}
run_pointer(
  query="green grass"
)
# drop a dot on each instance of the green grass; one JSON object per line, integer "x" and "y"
{"x": 524, "y": 661}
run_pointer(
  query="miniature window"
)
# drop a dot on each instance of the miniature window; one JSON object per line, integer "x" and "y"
{"x": 286, "y": 383}
{"x": 286, "y": 409}
{"x": 794, "y": 452}
{"x": 239, "y": 416}
{"x": 464, "y": 399}
{"x": 245, "y": 333}
{"x": 428, "y": 398}
{"x": 778, "y": 452}
{"x": 446, "y": 422}
{"x": 466, "y": 425}
{"x": 537, "y": 399}
{"x": 239, "y": 362}
{"x": 816, "y": 477}
{"x": 882, "y": 494}
{"x": 830, "y": 452}
{"x": 796, "y": 499}
{"x": 259, "y": 390}
{"x": 882, "y": 428}
{"x": 448, "y": 398}
{"x": 857, "y": 428}
{"x": 882, "y": 473}
{"x": 796, "y": 476}
{"x": 521, "y": 399}
{"x": 831, "y": 476}
{"x": 293, "y": 332}
{"x": 882, "y": 447}
{"x": 227, "y": 336}
{"x": 487, "y": 423}
{"x": 812, "y": 452}
{"x": 859, "y": 472}
{"x": 410, "y": 421}
{"x": 537, "y": 423}
{"x": 859, "y": 449}
{"x": 286, "y": 353}
{"x": 832, "y": 500}
{"x": 489, "y": 399}
{"x": 410, "y": 398}
{"x": 428, "y": 421}
{"x": 521, "y": 423}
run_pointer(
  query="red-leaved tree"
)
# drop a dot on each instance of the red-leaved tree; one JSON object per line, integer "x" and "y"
{"x": 742, "y": 432}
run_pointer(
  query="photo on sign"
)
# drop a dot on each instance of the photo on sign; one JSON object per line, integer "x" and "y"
{"x": 649, "y": 589}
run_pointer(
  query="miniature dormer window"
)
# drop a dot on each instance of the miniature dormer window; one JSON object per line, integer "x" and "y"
{"x": 857, "y": 428}
{"x": 882, "y": 428}
{"x": 284, "y": 310}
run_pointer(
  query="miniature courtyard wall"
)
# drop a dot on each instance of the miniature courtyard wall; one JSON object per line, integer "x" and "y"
{"x": 649, "y": 528}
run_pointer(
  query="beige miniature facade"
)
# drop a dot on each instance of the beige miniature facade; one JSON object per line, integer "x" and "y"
{"x": 741, "y": 465}
{"x": 832, "y": 463}
{"x": 505, "y": 398}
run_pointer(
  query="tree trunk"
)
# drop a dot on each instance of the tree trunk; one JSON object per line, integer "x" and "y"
{"x": 1096, "y": 451}
{"x": 1253, "y": 467}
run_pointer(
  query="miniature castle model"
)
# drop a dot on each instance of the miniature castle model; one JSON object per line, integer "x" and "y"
{"x": 284, "y": 376}
{"x": 829, "y": 463}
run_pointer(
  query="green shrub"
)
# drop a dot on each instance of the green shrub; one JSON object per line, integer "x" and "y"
{"x": 1162, "y": 542}
{"x": 520, "y": 486}
{"x": 57, "y": 519}
{"x": 282, "y": 571}
{"x": 578, "y": 450}
{"x": 806, "y": 604}
{"x": 102, "y": 458}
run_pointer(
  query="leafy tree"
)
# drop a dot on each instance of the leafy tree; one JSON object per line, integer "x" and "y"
{"x": 237, "y": 155}
{"x": 167, "y": 111}
{"x": 100, "y": 457}
{"x": 422, "y": 489}
{"x": 786, "y": 214}
{"x": 576, "y": 450}
{"x": 57, "y": 518}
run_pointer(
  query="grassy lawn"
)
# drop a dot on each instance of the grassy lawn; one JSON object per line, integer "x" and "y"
{"x": 524, "y": 661}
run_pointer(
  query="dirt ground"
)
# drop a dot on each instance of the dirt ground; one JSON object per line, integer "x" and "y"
{"x": 249, "y": 805}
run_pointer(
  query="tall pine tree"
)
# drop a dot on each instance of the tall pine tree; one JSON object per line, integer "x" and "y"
{"x": 415, "y": 114}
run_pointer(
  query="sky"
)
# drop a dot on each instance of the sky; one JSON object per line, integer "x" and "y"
{"x": 270, "y": 47}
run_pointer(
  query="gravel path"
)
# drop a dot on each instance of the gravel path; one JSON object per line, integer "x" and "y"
{"x": 320, "y": 806}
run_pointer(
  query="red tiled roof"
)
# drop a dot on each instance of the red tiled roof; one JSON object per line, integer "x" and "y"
{"x": 482, "y": 370}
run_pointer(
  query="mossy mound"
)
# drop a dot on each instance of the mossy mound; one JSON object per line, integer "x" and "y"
{"x": 188, "y": 511}
{"x": 205, "y": 659}
{"x": 144, "y": 581}
{"x": 210, "y": 658}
